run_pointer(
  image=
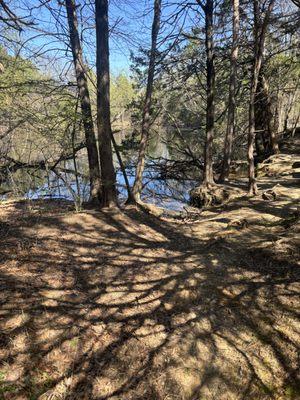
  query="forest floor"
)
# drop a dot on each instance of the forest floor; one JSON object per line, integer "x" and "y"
{"x": 125, "y": 305}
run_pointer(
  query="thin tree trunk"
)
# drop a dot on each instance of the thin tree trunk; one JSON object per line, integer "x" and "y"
{"x": 74, "y": 154}
{"x": 88, "y": 125}
{"x": 260, "y": 28}
{"x": 137, "y": 187}
{"x": 261, "y": 126}
{"x": 251, "y": 139}
{"x": 270, "y": 119}
{"x": 108, "y": 176}
{"x": 276, "y": 118}
{"x": 232, "y": 89}
{"x": 253, "y": 190}
{"x": 210, "y": 109}
{"x": 130, "y": 198}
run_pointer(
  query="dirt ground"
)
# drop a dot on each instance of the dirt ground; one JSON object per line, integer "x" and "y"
{"x": 124, "y": 305}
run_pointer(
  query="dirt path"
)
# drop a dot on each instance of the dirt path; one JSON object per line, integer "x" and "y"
{"x": 126, "y": 306}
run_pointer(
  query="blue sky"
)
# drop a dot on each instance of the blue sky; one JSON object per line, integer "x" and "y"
{"x": 131, "y": 27}
{"x": 130, "y": 21}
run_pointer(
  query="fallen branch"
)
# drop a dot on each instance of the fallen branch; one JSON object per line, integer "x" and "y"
{"x": 14, "y": 165}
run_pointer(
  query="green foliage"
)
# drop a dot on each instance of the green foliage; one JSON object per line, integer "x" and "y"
{"x": 33, "y": 105}
{"x": 121, "y": 92}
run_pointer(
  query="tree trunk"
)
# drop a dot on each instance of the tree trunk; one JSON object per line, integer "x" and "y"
{"x": 108, "y": 176}
{"x": 130, "y": 198}
{"x": 232, "y": 89}
{"x": 84, "y": 96}
{"x": 270, "y": 119}
{"x": 266, "y": 142}
{"x": 259, "y": 31}
{"x": 137, "y": 187}
{"x": 277, "y": 117}
{"x": 262, "y": 143}
{"x": 251, "y": 138}
{"x": 210, "y": 109}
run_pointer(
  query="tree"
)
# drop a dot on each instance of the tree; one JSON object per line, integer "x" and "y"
{"x": 84, "y": 96}
{"x": 108, "y": 176}
{"x": 137, "y": 187}
{"x": 232, "y": 92}
{"x": 265, "y": 139}
{"x": 259, "y": 35}
{"x": 208, "y": 8}
{"x": 10, "y": 19}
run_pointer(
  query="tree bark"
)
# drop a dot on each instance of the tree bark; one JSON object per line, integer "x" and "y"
{"x": 137, "y": 187}
{"x": 253, "y": 190}
{"x": 262, "y": 143}
{"x": 210, "y": 93}
{"x": 266, "y": 140}
{"x": 259, "y": 33}
{"x": 130, "y": 198}
{"x": 84, "y": 96}
{"x": 108, "y": 176}
{"x": 270, "y": 119}
{"x": 232, "y": 90}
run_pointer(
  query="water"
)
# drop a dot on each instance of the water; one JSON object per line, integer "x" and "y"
{"x": 167, "y": 193}
{"x": 172, "y": 194}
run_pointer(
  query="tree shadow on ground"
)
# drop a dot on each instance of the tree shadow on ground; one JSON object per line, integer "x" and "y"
{"x": 118, "y": 305}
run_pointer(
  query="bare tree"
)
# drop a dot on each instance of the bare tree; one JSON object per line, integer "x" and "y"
{"x": 109, "y": 196}
{"x": 232, "y": 92}
{"x": 137, "y": 187}
{"x": 259, "y": 34}
{"x": 87, "y": 118}
{"x": 9, "y": 18}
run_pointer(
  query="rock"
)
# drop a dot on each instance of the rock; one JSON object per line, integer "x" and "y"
{"x": 269, "y": 195}
{"x": 279, "y": 165}
{"x": 203, "y": 196}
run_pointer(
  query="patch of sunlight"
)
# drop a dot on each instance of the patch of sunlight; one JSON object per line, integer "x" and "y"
{"x": 16, "y": 321}
{"x": 188, "y": 379}
{"x": 59, "y": 392}
{"x": 20, "y": 342}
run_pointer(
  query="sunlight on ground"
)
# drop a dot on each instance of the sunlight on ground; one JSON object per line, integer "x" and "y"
{"x": 122, "y": 306}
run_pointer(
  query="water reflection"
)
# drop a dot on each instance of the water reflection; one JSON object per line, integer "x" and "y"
{"x": 167, "y": 193}
{"x": 158, "y": 189}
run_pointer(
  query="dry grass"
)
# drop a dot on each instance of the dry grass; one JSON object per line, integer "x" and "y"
{"x": 127, "y": 306}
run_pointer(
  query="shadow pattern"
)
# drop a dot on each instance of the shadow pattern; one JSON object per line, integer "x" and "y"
{"x": 118, "y": 305}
